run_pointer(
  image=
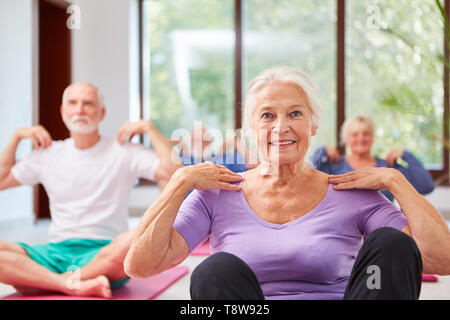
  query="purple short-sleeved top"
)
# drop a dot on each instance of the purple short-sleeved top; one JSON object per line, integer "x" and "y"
{"x": 310, "y": 257}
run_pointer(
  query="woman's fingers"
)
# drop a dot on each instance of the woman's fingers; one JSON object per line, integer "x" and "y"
{"x": 335, "y": 156}
{"x": 228, "y": 171}
{"x": 228, "y": 186}
{"x": 389, "y": 159}
{"x": 344, "y": 174}
{"x": 342, "y": 177}
{"x": 231, "y": 178}
{"x": 344, "y": 186}
{"x": 224, "y": 170}
{"x": 363, "y": 183}
{"x": 208, "y": 175}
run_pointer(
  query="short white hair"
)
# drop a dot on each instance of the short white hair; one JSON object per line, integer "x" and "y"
{"x": 358, "y": 119}
{"x": 99, "y": 94}
{"x": 281, "y": 74}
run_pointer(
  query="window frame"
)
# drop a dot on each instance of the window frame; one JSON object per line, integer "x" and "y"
{"x": 438, "y": 175}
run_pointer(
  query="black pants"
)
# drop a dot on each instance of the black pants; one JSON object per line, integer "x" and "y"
{"x": 389, "y": 252}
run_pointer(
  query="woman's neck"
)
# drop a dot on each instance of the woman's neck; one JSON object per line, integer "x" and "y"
{"x": 282, "y": 175}
{"x": 357, "y": 161}
{"x": 360, "y": 157}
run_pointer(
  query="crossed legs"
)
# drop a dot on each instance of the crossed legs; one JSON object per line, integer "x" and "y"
{"x": 20, "y": 271}
{"x": 224, "y": 276}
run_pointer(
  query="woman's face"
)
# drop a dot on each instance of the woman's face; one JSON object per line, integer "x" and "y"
{"x": 283, "y": 123}
{"x": 360, "y": 139}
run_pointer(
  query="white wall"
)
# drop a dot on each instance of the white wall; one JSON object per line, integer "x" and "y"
{"x": 100, "y": 55}
{"x": 105, "y": 53}
{"x": 16, "y": 93}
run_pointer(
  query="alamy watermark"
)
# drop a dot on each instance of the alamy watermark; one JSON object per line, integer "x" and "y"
{"x": 74, "y": 279}
{"x": 73, "y": 22}
{"x": 374, "y": 280}
{"x": 374, "y": 20}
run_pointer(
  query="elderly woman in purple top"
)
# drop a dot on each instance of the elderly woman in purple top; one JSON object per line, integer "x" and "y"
{"x": 357, "y": 134}
{"x": 284, "y": 230}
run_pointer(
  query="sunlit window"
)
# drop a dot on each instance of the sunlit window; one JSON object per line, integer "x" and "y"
{"x": 393, "y": 64}
{"x": 189, "y": 63}
{"x": 297, "y": 33}
{"x": 395, "y": 75}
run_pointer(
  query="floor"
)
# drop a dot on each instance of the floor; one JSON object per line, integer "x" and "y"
{"x": 27, "y": 231}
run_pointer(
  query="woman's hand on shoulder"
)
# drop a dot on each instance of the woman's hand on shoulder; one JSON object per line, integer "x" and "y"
{"x": 376, "y": 178}
{"x": 207, "y": 175}
{"x": 333, "y": 154}
{"x": 393, "y": 155}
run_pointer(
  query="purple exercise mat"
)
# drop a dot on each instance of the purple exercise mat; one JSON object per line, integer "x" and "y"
{"x": 134, "y": 289}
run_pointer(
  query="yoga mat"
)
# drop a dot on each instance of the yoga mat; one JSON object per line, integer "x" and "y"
{"x": 134, "y": 289}
{"x": 429, "y": 278}
{"x": 202, "y": 250}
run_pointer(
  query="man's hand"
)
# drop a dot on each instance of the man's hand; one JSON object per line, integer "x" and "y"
{"x": 38, "y": 134}
{"x": 393, "y": 155}
{"x": 129, "y": 129}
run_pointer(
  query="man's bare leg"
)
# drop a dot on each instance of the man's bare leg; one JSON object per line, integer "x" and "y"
{"x": 108, "y": 263}
{"x": 109, "y": 260}
{"x": 12, "y": 247}
{"x": 20, "y": 271}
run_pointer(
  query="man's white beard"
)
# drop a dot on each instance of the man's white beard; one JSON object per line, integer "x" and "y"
{"x": 76, "y": 126}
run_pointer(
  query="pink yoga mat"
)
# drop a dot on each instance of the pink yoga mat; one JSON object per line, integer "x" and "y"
{"x": 429, "y": 278}
{"x": 134, "y": 289}
{"x": 202, "y": 250}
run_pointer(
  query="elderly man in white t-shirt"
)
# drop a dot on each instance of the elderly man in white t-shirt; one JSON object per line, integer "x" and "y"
{"x": 88, "y": 179}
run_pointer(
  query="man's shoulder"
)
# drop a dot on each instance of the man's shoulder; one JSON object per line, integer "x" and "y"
{"x": 56, "y": 146}
{"x": 129, "y": 151}
{"x": 111, "y": 144}
{"x": 41, "y": 155}
{"x": 134, "y": 147}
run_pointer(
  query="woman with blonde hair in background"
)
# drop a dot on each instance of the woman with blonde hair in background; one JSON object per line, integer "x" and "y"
{"x": 357, "y": 133}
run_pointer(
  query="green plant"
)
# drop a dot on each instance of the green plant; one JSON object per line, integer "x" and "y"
{"x": 415, "y": 100}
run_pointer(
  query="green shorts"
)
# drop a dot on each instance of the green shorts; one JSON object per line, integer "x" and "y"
{"x": 68, "y": 255}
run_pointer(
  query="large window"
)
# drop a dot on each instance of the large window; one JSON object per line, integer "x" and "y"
{"x": 286, "y": 33}
{"x": 394, "y": 73}
{"x": 375, "y": 57}
{"x": 188, "y": 51}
